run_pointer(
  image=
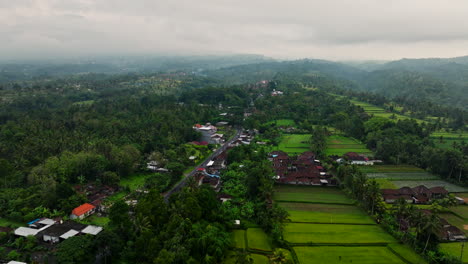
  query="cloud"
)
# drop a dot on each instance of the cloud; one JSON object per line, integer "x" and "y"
{"x": 333, "y": 29}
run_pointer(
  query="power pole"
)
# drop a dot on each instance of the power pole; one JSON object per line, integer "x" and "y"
{"x": 461, "y": 253}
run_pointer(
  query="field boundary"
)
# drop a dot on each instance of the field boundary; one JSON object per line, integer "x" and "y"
{"x": 399, "y": 256}
{"x": 308, "y": 202}
{"x": 312, "y": 244}
{"x": 323, "y": 223}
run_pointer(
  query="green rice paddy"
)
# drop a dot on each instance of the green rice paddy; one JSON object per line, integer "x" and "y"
{"x": 336, "y": 254}
{"x": 294, "y": 143}
{"x": 338, "y": 234}
{"x": 431, "y": 183}
{"x": 454, "y": 249}
{"x": 310, "y": 194}
{"x": 326, "y": 213}
{"x": 238, "y": 238}
{"x": 339, "y": 145}
{"x": 257, "y": 239}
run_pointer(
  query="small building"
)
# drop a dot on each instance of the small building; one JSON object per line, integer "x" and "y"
{"x": 224, "y": 197}
{"x": 438, "y": 192}
{"x": 83, "y": 211}
{"x": 92, "y": 230}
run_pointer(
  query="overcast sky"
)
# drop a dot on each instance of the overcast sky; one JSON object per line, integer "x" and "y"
{"x": 328, "y": 29}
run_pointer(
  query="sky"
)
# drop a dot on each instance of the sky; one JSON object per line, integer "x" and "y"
{"x": 292, "y": 29}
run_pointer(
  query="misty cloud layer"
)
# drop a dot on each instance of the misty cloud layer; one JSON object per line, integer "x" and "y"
{"x": 344, "y": 29}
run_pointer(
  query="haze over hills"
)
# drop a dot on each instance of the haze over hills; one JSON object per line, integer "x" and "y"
{"x": 439, "y": 80}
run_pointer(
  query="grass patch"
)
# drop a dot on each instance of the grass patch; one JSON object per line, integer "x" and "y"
{"x": 313, "y": 194}
{"x": 407, "y": 253}
{"x": 135, "y": 181}
{"x": 431, "y": 183}
{"x": 257, "y": 239}
{"x": 238, "y": 238}
{"x": 96, "y": 220}
{"x": 283, "y": 122}
{"x": 361, "y": 255}
{"x": 335, "y": 234}
{"x": 454, "y": 249}
{"x": 326, "y": 213}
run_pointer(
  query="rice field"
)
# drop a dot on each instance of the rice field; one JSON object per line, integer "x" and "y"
{"x": 454, "y": 249}
{"x": 403, "y": 176}
{"x": 461, "y": 210}
{"x": 391, "y": 169}
{"x": 381, "y": 112}
{"x": 446, "y": 139}
{"x": 339, "y": 145}
{"x": 257, "y": 239}
{"x": 310, "y": 194}
{"x": 326, "y": 213}
{"x": 238, "y": 238}
{"x": 335, "y": 254}
{"x": 294, "y": 143}
{"x": 339, "y": 234}
{"x": 431, "y": 183}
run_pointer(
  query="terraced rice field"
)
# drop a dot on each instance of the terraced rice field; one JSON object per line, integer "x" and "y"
{"x": 381, "y": 112}
{"x": 323, "y": 229}
{"x": 340, "y": 234}
{"x": 294, "y": 143}
{"x": 446, "y": 139}
{"x": 310, "y": 194}
{"x": 339, "y": 145}
{"x": 326, "y": 213}
{"x": 454, "y": 249}
{"x": 461, "y": 210}
{"x": 431, "y": 183}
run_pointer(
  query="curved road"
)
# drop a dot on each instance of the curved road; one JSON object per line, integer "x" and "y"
{"x": 182, "y": 183}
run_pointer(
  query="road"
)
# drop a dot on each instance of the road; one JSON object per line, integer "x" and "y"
{"x": 182, "y": 183}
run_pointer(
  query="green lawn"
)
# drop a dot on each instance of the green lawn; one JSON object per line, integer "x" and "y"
{"x": 339, "y": 145}
{"x": 358, "y": 255}
{"x": 454, "y": 249}
{"x": 313, "y": 194}
{"x": 326, "y": 213}
{"x": 335, "y": 234}
{"x": 96, "y": 220}
{"x": 238, "y": 238}
{"x": 431, "y": 183}
{"x": 407, "y": 253}
{"x": 257, "y": 239}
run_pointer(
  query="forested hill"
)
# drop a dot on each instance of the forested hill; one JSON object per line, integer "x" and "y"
{"x": 20, "y": 71}
{"x": 440, "y": 81}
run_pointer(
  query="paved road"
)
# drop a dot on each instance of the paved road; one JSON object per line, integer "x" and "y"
{"x": 182, "y": 183}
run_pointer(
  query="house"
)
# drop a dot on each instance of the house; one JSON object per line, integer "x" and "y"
{"x": 438, "y": 192}
{"x": 152, "y": 165}
{"x": 355, "y": 158}
{"x": 276, "y": 93}
{"x": 418, "y": 195}
{"x": 83, "y": 211}
{"x": 224, "y": 197}
{"x": 451, "y": 233}
{"x": 16, "y": 262}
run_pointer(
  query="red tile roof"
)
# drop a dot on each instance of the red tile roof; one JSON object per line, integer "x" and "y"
{"x": 83, "y": 209}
